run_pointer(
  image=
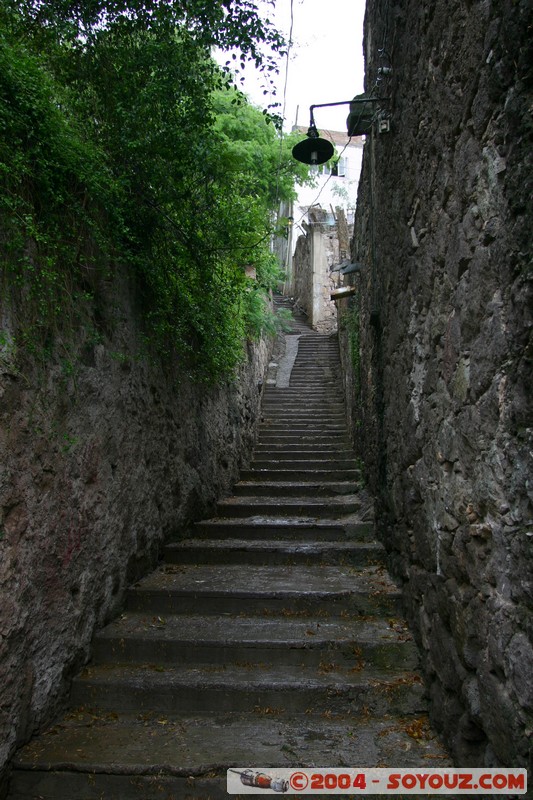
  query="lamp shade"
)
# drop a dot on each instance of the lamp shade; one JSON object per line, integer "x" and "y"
{"x": 313, "y": 150}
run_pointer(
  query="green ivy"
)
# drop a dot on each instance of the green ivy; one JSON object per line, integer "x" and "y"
{"x": 125, "y": 144}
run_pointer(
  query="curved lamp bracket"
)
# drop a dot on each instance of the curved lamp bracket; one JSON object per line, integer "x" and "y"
{"x": 315, "y": 150}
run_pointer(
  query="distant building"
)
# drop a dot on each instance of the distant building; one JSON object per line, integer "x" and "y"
{"x": 319, "y": 225}
{"x": 335, "y": 184}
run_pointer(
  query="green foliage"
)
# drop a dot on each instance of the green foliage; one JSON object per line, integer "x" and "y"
{"x": 51, "y": 179}
{"x": 122, "y": 142}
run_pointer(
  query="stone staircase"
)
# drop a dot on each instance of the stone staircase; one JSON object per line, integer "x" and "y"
{"x": 272, "y": 637}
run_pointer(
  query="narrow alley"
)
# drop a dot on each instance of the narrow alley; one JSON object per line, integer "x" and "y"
{"x": 272, "y": 637}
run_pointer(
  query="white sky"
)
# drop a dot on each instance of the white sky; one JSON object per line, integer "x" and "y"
{"x": 326, "y": 63}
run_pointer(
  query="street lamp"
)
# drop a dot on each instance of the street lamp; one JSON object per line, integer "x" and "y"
{"x": 315, "y": 150}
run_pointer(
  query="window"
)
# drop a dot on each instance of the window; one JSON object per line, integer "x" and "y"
{"x": 338, "y": 170}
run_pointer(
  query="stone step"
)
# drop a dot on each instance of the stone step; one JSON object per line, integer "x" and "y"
{"x": 302, "y": 416}
{"x": 286, "y": 637}
{"x": 307, "y": 434}
{"x": 323, "y": 389}
{"x": 328, "y": 446}
{"x": 288, "y": 506}
{"x": 304, "y": 464}
{"x": 291, "y": 437}
{"x": 316, "y": 367}
{"x": 152, "y": 756}
{"x": 280, "y": 552}
{"x": 238, "y": 589}
{"x": 277, "y": 439}
{"x": 321, "y": 386}
{"x": 302, "y": 421}
{"x": 304, "y": 424}
{"x": 324, "y": 401}
{"x": 296, "y": 396}
{"x": 317, "y": 440}
{"x": 309, "y": 410}
{"x": 330, "y": 686}
{"x": 304, "y": 401}
{"x": 294, "y": 488}
{"x": 283, "y": 453}
{"x": 298, "y": 473}
{"x": 316, "y": 362}
{"x": 282, "y": 529}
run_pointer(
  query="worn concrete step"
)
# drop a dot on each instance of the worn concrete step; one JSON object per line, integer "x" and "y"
{"x": 317, "y": 367}
{"x": 317, "y": 364}
{"x": 317, "y": 356}
{"x": 314, "y": 375}
{"x": 299, "y": 473}
{"x": 281, "y": 408}
{"x": 329, "y": 686}
{"x": 310, "y": 346}
{"x": 308, "y": 411}
{"x": 311, "y": 410}
{"x": 150, "y": 756}
{"x": 282, "y": 452}
{"x": 333, "y": 433}
{"x": 281, "y": 488}
{"x": 330, "y": 447}
{"x": 289, "y": 392}
{"x": 296, "y": 396}
{"x": 280, "y": 552}
{"x": 283, "y": 506}
{"x": 286, "y": 637}
{"x": 302, "y": 417}
{"x": 331, "y": 387}
{"x": 313, "y": 403}
{"x": 288, "y": 440}
{"x": 305, "y": 464}
{"x": 282, "y": 394}
{"x": 303, "y": 399}
{"x": 303, "y": 425}
{"x": 230, "y": 589}
{"x": 285, "y": 529}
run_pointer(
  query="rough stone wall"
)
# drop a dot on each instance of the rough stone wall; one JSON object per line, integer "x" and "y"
{"x": 104, "y": 456}
{"x": 444, "y": 229}
{"x": 316, "y": 252}
{"x": 302, "y": 288}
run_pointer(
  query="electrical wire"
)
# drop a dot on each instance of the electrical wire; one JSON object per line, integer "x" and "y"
{"x": 284, "y": 102}
{"x": 360, "y": 117}
{"x": 383, "y": 54}
{"x": 330, "y": 176}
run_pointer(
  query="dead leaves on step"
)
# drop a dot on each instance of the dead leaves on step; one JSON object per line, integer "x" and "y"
{"x": 265, "y": 711}
{"x": 417, "y": 728}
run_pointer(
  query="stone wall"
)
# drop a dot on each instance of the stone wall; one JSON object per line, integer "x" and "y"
{"x": 444, "y": 229}
{"x": 315, "y": 254}
{"x": 302, "y": 288}
{"x": 105, "y": 454}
